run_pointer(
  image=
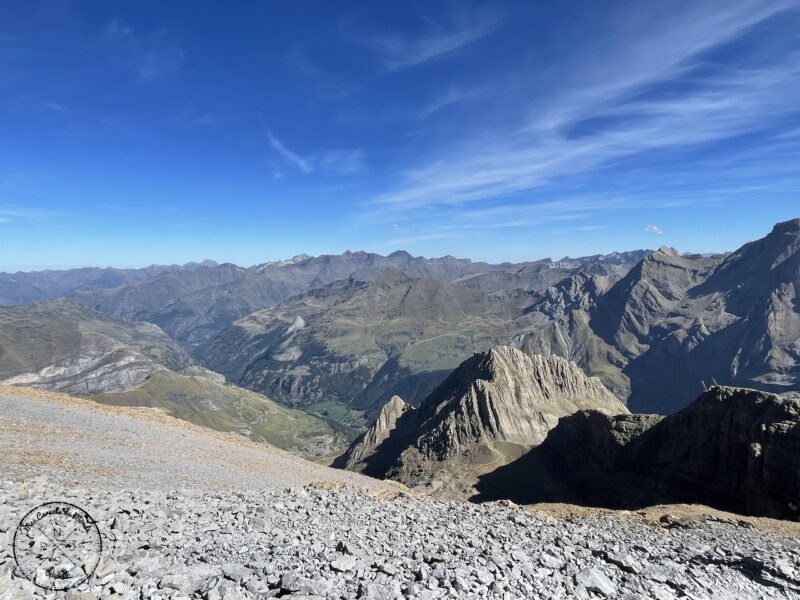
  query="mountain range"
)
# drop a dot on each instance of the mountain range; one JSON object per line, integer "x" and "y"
{"x": 657, "y": 334}
{"x": 35, "y": 286}
{"x": 335, "y": 336}
{"x": 195, "y": 300}
{"x": 192, "y": 306}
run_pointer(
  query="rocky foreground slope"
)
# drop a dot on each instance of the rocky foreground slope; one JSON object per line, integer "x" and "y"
{"x": 220, "y": 518}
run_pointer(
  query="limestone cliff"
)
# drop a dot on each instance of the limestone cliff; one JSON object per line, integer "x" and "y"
{"x": 494, "y": 407}
{"x": 369, "y": 443}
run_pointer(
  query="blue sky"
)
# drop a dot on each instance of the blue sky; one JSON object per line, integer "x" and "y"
{"x": 150, "y": 132}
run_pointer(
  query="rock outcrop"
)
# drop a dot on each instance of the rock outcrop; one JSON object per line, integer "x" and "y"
{"x": 370, "y": 443}
{"x": 62, "y": 345}
{"x": 734, "y": 449}
{"x": 489, "y": 411}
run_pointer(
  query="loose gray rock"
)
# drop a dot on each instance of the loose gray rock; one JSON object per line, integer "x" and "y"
{"x": 198, "y": 544}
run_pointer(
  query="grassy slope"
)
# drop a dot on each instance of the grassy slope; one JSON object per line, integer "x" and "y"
{"x": 228, "y": 408}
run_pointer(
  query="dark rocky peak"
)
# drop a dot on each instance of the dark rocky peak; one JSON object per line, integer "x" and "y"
{"x": 735, "y": 449}
{"x": 770, "y": 252}
{"x": 579, "y": 291}
{"x": 357, "y": 255}
{"x": 790, "y": 227}
{"x": 758, "y": 267}
{"x": 191, "y": 266}
{"x": 375, "y": 440}
{"x": 341, "y": 289}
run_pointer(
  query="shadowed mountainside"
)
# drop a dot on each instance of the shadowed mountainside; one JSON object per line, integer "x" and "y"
{"x": 734, "y": 449}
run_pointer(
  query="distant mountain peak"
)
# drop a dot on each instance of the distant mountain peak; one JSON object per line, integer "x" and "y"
{"x": 669, "y": 251}
{"x": 195, "y": 265}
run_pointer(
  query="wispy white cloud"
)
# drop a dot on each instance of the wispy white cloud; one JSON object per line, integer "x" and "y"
{"x": 57, "y": 107}
{"x": 291, "y": 156}
{"x": 337, "y": 162}
{"x": 326, "y": 85}
{"x": 450, "y": 96}
{"x": 342, "y": 162}
{"x": 10, "y": 213}
{"x": 654, "y": 229}
{"x": 585, "y": 228}
{"x": 401, "y": 242}
{"x": 190, "y": 118}
{"x": 151, "y": 55}
{"x": 438, "y": 41}
{"x": 611, "y": 107}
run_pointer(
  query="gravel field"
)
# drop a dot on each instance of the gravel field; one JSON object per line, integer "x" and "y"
{"x": 186, "y": 513}
{"x": 80, "y": 441}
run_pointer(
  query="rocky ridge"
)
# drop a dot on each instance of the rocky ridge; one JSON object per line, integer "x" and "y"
{"x": 496, "y": 406}
{"x": 734, "y": 449}
{"x": 370, "y": 442}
